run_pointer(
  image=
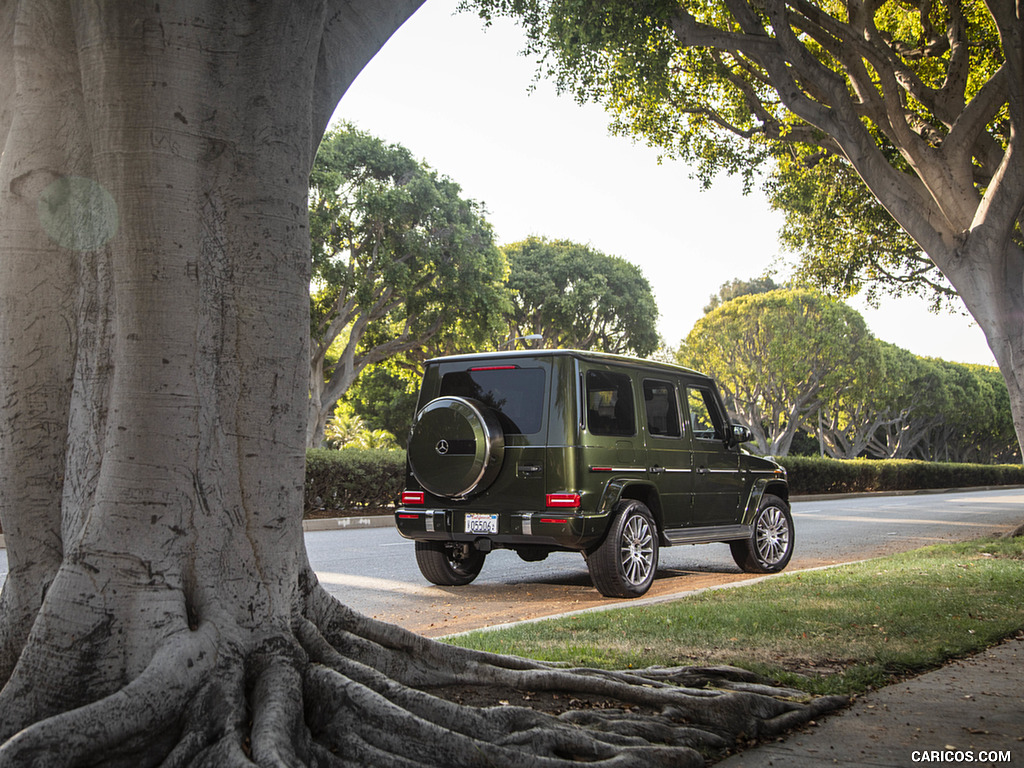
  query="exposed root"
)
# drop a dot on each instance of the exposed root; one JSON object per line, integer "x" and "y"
{"x": 339, "y": 689}
{"x": 149, "y": 707}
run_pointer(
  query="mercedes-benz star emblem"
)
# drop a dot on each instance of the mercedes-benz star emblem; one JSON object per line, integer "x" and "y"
{"x": 441, "y": 447}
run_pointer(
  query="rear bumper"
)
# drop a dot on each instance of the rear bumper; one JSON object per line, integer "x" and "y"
{"x": 558, "y": 529}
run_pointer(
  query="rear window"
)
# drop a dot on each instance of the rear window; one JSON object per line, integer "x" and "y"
{"x": 515, "y": 394}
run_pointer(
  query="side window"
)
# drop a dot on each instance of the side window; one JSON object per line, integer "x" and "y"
{"x": 704, "y": 414}
{"x": 610, "y": 404}
{"x": 661, "y": 409}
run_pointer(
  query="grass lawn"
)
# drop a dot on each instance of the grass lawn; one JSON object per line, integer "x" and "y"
{"x": 839, "y": 630}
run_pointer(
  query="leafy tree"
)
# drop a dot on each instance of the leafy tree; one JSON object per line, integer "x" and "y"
{"x": 399, "y": 258}
{"x": 159, "y": 607}
{"x": 384, "y": 396}
{"x": 577, "y": 297}
{"x": 737, "y": 287}
{"x": 345, "y": 429}
{"x": 845, "y": 239}
{"x": 924, "y": 101}
{"x": 779, "y": 357}
{"x": 970, "y": 426}
{"x": 887, "y": 411}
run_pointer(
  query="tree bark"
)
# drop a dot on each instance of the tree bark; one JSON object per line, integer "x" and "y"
{"x": 154, "y": 275}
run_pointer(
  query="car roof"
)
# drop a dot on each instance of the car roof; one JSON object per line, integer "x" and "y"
{"x": 597, "y": 357}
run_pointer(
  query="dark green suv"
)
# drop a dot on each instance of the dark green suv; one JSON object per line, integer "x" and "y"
{"x": 555, "y": 450}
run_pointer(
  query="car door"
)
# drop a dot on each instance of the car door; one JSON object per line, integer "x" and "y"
{"x": 717, "y": 483}
{"x": 669, "y": 465}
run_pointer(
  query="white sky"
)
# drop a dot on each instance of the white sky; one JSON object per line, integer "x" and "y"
{"x": 459, "y": 97}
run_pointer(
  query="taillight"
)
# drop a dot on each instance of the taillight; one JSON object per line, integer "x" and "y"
{"x": 413, "y": 497}
{"x": 564, "y": 501}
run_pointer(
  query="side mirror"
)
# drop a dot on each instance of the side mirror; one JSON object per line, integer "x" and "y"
{"x": 741, "y": 434}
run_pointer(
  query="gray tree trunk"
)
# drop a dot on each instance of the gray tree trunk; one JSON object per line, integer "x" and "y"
{"x": 159, "y": 608}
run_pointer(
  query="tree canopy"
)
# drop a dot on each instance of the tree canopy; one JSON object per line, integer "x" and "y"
{"x": 795, "y": 361}
{"x": 779, "y": 357}
{"x": 577, "y": 297}
{"x": 400, "y": 260}
{"x": 737, "y": 287}
{"x": 924, "y": 102}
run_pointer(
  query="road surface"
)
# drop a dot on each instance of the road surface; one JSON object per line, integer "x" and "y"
{"x": 375, "y": 572}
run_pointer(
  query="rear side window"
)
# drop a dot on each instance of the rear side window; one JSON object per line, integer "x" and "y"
{"x": 660, "y": 406}
{"x": 610, "y": 404}
{"x": 515, "y": 394}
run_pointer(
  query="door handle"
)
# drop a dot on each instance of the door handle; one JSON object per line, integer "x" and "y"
{"x": 656, "y": 470}
{"x": 703, "y": 471}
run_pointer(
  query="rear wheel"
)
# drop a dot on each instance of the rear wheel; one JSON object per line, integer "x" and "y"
{"x": 770, "y": 545}
{"x": 448, "y": 565}
{"x": 625, "y": 562}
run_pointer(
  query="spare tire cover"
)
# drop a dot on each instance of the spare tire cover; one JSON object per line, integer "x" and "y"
{"x": 456, "y": 447}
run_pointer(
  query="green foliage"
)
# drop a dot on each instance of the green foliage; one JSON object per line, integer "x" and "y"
{"x": 816, "y": 475}
{"x": 400, "y": 261}
{"x": 736, "y": 288}
{"x": 579, "y": 298}
{"x": 346, "y": 430}
{"x": 908, "y": 97}
{"x": 795, "y": 361}
{"x": 384, "y": 396}
{"x": 397, "y": 239}
{"x": 778, "y": 357}
{"x": 353, "y": 479}
{"x": 845, "y": 239}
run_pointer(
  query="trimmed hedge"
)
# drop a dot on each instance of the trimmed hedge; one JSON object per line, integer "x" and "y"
{"x": 810, "y": 475}
{"x": 353, "y": 479}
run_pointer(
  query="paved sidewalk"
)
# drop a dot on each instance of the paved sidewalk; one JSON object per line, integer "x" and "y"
{"x": 970, "y": 712}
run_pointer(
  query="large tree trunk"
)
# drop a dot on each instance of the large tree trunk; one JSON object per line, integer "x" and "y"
{"x": 159, "y": 608}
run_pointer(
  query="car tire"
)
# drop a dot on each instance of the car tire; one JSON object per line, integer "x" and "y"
{"x": 623, "y": 565}
{"x": 770, "y": 545}
{"x": 448, "y": 565}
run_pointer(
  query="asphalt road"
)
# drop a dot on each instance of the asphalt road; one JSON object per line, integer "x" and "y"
{"x": 375, "y": 572}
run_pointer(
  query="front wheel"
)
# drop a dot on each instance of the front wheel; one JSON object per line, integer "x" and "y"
{"x": 625, "y": 562}
{"x": 448, "y": 565}
{"x": 770, "y": 545}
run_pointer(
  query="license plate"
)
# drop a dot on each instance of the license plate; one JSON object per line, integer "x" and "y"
{"x": 481, "y": 523}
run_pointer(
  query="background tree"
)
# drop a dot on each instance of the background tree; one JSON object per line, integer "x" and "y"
{"x": 925, "y": 102}
{"x": 887, "y": 411}
{"x": 971, "y": 420}
{"x": 778, "y": 358}
{"x": 399, "y": 258}
{"x": 577, "y": 297}
{"x": 384, "y": 396}
{"x": 737, "y": 287}
{"x": 159, "y": 607}
{"x": 845, "y": 240}
{"x": 346, "y": 429}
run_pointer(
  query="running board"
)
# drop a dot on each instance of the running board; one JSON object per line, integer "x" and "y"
{"x": 708, "y": 534}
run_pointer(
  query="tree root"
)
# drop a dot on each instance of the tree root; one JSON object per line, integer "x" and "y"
{"x": 340, "y": 689}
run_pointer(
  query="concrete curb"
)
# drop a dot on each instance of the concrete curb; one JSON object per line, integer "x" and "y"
{"x": 348, "y": 523}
